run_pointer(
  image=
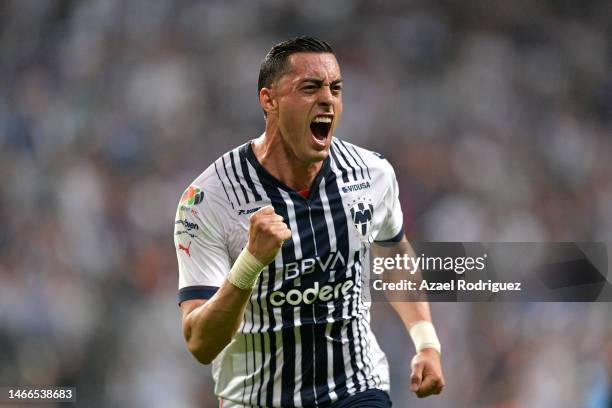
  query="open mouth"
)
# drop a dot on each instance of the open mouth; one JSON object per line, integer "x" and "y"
{"x": 320, "y": 127}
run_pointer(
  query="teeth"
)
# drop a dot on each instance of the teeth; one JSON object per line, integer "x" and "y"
{"x": 322, "y": 119}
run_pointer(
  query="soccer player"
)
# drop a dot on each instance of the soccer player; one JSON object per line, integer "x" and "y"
{"x": 270, "y": 242}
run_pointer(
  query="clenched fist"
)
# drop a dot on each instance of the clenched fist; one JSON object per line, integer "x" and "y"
{"x": 267, "y": 233}
{"x": 427, "y": 377}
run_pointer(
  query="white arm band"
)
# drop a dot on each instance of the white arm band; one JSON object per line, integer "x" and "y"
{"x": 245, "y": 271}
{"x": 423, "y": 336}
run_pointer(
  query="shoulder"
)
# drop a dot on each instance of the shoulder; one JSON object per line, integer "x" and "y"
{"x": 212, "y": 184}
{"x": 374, "y": 161}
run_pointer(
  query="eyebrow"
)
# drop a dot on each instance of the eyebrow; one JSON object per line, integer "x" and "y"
{"x": 320, "y": 82}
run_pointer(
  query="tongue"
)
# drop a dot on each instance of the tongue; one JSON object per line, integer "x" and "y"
{"x": 319, "y": 130}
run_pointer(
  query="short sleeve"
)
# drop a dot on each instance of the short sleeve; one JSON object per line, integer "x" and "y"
{"x": 392, "y": 228}
{"x": 203, "y": 259}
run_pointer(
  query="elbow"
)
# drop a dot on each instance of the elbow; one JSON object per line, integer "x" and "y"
{"x": 201, "y": 353}
{"x": 203, "y": 343}
{"x": 199, "y": 348}
{"x": 203, "y": 358}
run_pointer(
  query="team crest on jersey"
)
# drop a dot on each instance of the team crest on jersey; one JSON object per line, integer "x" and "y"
{"x": 192, "y": 195}
{"x": 362, "y": 215}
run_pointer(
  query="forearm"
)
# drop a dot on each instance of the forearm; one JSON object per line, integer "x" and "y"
{"x": 417, "y": 320}
{"x": 211, "y": 326}
{"x": 416, "y": 316}
{"x": 411, "y": 312}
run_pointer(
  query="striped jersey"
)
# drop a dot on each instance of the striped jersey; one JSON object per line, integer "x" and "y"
{"x": 305, "y": 339}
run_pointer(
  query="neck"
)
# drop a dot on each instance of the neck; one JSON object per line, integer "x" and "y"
{"x": 280, "y": 161}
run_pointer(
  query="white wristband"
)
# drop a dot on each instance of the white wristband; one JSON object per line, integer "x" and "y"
{"x": 423, "y": 336}
{"x": 245, "y": 271}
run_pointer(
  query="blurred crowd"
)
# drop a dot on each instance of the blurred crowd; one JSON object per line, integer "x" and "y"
{"x": 497, "y": 116}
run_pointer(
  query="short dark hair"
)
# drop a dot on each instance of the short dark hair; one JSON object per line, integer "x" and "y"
{"x": 274, "y": 65}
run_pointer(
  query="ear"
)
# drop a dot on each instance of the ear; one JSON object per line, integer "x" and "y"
{"x": 267, "y": 101}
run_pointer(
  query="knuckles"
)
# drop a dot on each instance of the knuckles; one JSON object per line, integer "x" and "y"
{"x": 269, "y": 226}
{"x": 434, "y": 388}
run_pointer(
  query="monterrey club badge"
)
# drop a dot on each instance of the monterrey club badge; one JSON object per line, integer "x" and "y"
{"x": 362, "y": 215}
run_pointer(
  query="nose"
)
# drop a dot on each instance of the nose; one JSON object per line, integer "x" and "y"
{"x": 325, "y": 96}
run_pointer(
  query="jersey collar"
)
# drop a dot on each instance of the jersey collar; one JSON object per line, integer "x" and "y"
{"x": 266, "y": 177}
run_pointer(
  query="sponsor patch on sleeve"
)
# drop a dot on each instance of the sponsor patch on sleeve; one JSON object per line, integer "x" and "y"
{"x": 188, "y": 228}
{"x": 191, "y": 196}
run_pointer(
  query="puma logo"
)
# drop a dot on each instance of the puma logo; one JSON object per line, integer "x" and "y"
{"x": 185, "y": 248}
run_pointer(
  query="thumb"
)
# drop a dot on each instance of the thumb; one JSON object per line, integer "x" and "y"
{"x": 416, "y": 377}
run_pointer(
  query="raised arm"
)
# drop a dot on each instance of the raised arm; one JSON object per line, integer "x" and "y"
{"x": 209, "y": 325}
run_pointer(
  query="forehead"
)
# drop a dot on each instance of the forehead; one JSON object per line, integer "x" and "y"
{"x": 322, "y": 66}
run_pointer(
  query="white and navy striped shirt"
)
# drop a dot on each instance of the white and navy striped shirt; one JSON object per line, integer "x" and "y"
{"x": 306, "y": 338}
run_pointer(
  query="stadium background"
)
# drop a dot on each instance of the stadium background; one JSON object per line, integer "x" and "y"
{"x": 496, "y": 114}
